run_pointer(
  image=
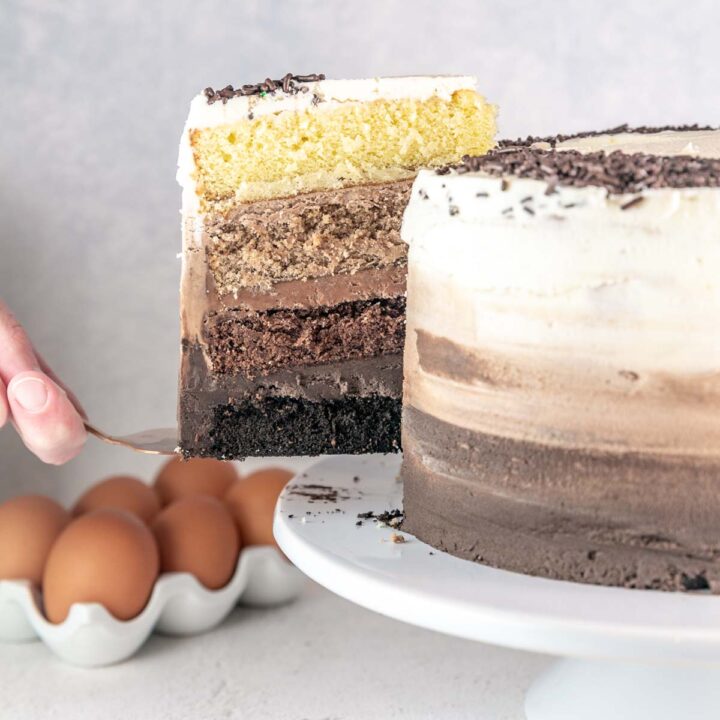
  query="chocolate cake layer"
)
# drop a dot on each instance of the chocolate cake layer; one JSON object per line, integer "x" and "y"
{"x": 636, "y": 520}
{"x": 254, "y": 245}
{"x": 207, "y": 400}
{"x": 257, "y": 343}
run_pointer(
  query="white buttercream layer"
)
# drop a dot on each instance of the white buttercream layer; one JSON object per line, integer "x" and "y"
{"x": 607, "y": 316}
{"x": 330, "y": 92}
{"x": 698, "y": 143}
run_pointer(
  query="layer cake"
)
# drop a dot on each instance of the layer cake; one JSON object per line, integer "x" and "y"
{"x": 562, "y": 363}
{"x": 293, "y": 279}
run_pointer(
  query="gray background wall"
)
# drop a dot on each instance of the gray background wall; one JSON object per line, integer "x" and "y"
{"x": 93, "y": 96}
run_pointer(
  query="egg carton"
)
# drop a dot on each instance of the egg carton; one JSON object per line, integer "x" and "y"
{"x": 179, "y": 605}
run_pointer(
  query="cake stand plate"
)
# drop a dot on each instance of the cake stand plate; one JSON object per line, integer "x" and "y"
{"x": 633, "y": 653}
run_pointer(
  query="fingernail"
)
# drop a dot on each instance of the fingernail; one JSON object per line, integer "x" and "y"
{"x": 31, "y": 394}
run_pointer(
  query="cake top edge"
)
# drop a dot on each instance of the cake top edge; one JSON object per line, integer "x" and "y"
{"x": 302, "y": 92}
{"x": 617, "y": 172}
{"x": 291, "y": 84}
{"x": 556, "y": 141}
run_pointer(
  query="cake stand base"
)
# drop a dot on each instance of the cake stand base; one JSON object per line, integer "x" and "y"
{"x": 645, "y": 654}
{"x": 601, "y": 690}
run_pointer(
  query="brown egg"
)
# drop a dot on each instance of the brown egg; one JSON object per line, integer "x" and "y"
{"x": 180, "y": 478}
{"x": 122, "y": 492}
{"x": 252, "y": 501}
{"x": 198, "y": 535}
{"x": 107, "y": 556}
{"x": 29, "y": 525}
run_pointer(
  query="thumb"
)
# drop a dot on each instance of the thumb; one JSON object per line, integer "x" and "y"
{"x": 46, "y": 419}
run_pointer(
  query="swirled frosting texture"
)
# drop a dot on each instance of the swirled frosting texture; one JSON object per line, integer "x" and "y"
{"x": 583, "y": 319}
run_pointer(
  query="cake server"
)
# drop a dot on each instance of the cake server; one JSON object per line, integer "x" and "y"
{"x": 158, "y": 441}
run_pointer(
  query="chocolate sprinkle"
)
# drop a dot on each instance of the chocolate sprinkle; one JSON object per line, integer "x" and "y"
{"x": 617, "y": 172}
{"x": 289, "y": 84}
{"x": 632, "y": 203}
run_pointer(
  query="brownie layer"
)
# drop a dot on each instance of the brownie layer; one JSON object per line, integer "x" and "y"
{"x": 209, "y": 401}
{"x": 254, "y": 245}
{"x": 636, "y": 520}
{"x": 257, "y": 343}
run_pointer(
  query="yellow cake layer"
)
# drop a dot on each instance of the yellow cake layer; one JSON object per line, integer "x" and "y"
{"x": 344, "y": 144}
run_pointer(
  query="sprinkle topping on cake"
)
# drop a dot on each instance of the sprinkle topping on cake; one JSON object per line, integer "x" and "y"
{"x": 617, "y": 172}
{"x": 290, "y": 84}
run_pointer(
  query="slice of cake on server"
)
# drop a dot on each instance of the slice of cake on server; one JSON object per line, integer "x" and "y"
{"x": 293, "y": 279}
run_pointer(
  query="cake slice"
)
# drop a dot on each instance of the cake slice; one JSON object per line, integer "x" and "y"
{"x": 293, "y": 278}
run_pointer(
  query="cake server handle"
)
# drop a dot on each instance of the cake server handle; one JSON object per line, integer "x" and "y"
{"x": 158, "y": 441}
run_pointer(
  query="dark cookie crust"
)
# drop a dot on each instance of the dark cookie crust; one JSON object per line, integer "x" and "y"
{"x": 291, "y": 426}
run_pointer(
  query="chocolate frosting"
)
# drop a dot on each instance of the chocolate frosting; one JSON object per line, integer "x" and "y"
{"x": 637, "y": 520}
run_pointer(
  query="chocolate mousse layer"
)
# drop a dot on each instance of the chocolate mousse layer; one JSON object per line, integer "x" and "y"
{"x": 389, "y": 282}
{"x": 298, "y": 410}
{"x": 629, "y": 519}
{"x": 255, "y": 245}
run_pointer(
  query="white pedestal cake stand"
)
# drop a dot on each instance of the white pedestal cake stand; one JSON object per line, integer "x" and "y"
{"x": 630, "y": 653}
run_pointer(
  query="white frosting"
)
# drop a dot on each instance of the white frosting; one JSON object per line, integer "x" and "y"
{"x": 605, "y": 318}
{"x": 324, "y": 93}
{"x": 700, "y": 143}
{"x": 579, "y": 258}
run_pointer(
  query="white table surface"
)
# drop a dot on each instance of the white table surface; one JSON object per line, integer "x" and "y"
{"x": 319, "y": 658}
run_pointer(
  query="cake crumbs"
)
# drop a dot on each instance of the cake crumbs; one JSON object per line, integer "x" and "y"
{"x": 396, "y": 538}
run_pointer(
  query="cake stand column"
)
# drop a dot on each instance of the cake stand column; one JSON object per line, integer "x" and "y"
{"x": 612, "y": 690}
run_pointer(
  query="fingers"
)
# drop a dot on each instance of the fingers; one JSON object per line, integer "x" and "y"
{"x": 16, "y": 350}
{"x": 46, "y": 419}
{"x": 71, "y": 395}
{"x": 3, "y": 405}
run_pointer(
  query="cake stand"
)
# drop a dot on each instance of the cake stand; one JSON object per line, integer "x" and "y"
{"x": 627, "y": 653}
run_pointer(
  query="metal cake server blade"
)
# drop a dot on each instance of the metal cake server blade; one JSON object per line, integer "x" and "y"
{"x": 158, "y": 441}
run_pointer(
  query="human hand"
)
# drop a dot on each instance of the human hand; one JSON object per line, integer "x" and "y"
{"x": 45, "y": 414}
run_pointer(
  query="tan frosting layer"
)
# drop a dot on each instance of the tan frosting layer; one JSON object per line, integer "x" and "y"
{"x": 562, "y": 402}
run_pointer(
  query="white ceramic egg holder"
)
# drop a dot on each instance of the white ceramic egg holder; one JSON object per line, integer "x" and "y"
{"x": 179, "y": 605}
